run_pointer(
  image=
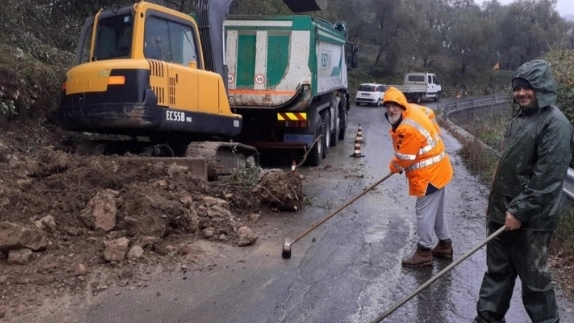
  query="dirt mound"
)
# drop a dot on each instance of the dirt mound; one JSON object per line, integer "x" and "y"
{"x": 67, "y": 219}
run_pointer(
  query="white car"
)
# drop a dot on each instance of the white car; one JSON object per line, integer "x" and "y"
{"x": 370, "y": 94}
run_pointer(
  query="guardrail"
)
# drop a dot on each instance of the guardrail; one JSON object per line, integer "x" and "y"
{"x": 471, "y": 103}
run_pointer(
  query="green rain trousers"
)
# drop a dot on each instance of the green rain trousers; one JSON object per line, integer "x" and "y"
{"x": 512, "y": 253}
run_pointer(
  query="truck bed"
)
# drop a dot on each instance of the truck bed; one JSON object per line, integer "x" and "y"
{"x": 411, "y": 88}
{"x": 282, "y": 62}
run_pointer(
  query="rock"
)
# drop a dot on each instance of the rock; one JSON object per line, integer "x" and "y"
{"x": 219, "y": 211}
{"x": 13, "y": 236}
{"x": 135, "y": 253}
{"x": 80, "y": 270}
{"x": 100, "y": 212}
{"x": 208, "y": 232}
{"x": 246, "y": 236}
{"x": 211, "y": 201}
{"x": 19, "y": 256}
{"x": 46, "y": 222}
{"x": 187, "y": 200}
{"x": 162, "y": 184}
{"x": 115, "y": 250}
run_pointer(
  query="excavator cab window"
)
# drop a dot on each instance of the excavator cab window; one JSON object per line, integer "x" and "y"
{"x": 114, "y": 37}
{"x": 169, "y": 41}
{"x": 83, "y": 55}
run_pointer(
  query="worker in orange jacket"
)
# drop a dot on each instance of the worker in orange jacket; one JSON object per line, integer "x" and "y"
{"x": 420, "y": 153}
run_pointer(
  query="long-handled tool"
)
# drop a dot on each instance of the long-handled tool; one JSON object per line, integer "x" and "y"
{"x": 286, "y": 251}
{"x": 436, "y": 277}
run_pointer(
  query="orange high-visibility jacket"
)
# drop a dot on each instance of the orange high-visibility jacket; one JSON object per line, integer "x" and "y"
{"x": 419, "y": 150}
{"x": 430, "y": 114}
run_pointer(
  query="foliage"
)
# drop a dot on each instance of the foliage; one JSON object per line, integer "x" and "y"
{"x": 478, "y": 157}
{"x": 561, "y": 61}
{"x": 564, "y": 233}
{"x": 489, "y": 130}
{"x": 28, "y": 86}
{"x": 457, "y": 40}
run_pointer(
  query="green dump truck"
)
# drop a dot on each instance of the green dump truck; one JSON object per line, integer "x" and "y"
{"x": 287, "y": 77}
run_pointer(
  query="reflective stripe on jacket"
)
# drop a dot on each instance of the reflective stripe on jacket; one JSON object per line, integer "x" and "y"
{"x": 430, "y": 114}
{"x": 419, "y": 150}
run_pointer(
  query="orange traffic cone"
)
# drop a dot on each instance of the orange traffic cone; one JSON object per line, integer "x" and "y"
{"x": 357, "y": 149}
{"x": 359, "y": 136}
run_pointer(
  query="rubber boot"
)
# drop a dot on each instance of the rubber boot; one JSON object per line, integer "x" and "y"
{"x": 422, "y": 257}
{"x": 443, "y": 249}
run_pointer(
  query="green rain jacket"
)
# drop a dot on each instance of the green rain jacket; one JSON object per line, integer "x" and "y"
{"x": 535, "y": 156}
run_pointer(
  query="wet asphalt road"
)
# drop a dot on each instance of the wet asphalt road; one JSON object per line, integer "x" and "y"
{"x": 347, "y": 270}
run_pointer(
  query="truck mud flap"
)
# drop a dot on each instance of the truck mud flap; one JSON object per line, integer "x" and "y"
{"x": 298, "y": 6}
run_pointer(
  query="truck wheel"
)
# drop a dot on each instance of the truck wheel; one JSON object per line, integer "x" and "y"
{"x": 342, "y": 120}
{"x": 316, "y": 151}
{"x": 335, "y": 133}
{"x": 437, "y": 96}
{"x": 326, "y": 134}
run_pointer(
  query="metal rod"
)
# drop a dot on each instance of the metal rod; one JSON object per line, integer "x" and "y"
{"x": 436, "y": 277}
{"x": 303, "y": 234}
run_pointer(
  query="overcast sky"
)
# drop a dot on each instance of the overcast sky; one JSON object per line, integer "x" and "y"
{"x": 564, "y": 7}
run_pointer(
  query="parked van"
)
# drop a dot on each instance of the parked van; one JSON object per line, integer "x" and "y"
{"x": 370, "y": 94}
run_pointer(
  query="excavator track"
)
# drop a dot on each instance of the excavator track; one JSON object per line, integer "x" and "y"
{"x": 206, "y": 159}
{"x": 223, "y": 158}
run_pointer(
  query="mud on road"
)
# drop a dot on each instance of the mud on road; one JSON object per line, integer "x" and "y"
{"x": 72, "y": 226}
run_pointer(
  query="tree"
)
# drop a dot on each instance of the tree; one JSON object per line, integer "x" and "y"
{"x": 467, "y": 38}
{"x": 390, "y": 25}
{"x": 528, "y": 29}
{"x": 430, "y": 26}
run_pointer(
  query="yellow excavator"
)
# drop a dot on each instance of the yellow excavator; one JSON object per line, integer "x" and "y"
{"x": 155, "y": 75}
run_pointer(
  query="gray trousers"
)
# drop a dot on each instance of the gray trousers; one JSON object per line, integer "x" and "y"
{"x": 431, "y": 220}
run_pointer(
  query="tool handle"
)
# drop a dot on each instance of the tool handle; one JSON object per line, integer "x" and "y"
{"x": 436, "y": 277}
{"x": 303, "y": 234}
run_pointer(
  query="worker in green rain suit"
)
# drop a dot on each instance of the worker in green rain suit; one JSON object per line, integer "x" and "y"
{"x": 525, "y": 198}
